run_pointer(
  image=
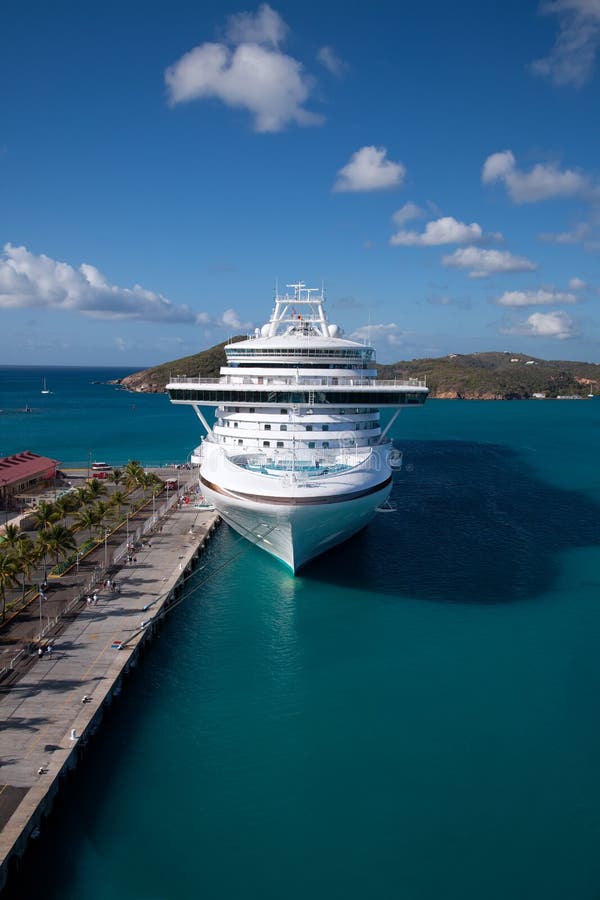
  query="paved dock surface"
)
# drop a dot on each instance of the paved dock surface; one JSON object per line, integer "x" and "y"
{"x": 39, "y": 712}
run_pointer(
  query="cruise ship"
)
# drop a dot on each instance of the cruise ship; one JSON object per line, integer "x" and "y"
{"x": 296, "y": 459}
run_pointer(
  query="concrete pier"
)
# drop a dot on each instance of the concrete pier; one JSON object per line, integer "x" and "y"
{"x": 57, "y": 704}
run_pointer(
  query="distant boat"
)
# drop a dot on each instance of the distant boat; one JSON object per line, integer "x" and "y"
{"x": 44, "y": 387}
{"x": 27, "y": 408}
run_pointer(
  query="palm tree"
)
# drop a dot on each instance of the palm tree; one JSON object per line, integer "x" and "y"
{"x": 8, "y": 578}
{"x": 118, "y": 500}
{"x": 65, "y": 505}
{"x": 82, "y": 494}
{"x": 60, "y": 541}
{"x": 42, "y": 549}
{"x": 133, "y": 473}
{"x": 101, "y": 510}
{"x": 19, "y": 548}
{"x": 12, "y": 536}
{"x": 147, "y": 480}
{"x": 95, "y": 489}
{"x": 86, "y": 518}
{"x": 25, "y": 557}
{"x": 44, "y": 516}
{"x": 116, "y": 476}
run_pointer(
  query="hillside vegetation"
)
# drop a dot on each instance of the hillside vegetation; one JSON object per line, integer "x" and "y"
{"x": 473, "y": 376}
{"x": 499, "y": 376}
{"x": 153, "y": 381}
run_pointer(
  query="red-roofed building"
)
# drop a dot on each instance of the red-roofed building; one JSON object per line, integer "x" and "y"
{"x": 24, "y": 472}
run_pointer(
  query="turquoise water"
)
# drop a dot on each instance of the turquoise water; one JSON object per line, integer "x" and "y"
{"x": 414, "y": 716}
{"x": 80, "y": 420}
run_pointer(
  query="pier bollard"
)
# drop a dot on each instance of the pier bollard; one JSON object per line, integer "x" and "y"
{"x": 74, "y": 735}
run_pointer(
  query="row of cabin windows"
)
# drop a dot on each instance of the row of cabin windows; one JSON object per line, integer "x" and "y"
{"x": 311, "y": 444}
{"x": 252, "y": 366}
{"x": 365, "y": 353}
{"x": 284, "y": 412}
{"x": 365, "y": 426}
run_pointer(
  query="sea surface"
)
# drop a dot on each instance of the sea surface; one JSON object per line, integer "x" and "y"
{"x": 416, "y": 715}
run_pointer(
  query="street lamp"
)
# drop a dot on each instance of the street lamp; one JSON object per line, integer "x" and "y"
{"x": 106, "y": 534}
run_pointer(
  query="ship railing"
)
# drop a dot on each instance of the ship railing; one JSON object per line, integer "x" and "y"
{"x": 310, "y": 461}
{"x": 257, "y": 381}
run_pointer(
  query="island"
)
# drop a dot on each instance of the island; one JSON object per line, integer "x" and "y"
{"x": 470, "y": 376}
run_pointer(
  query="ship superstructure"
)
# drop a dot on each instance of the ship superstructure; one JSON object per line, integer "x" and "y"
{"x": 296, "y": 460}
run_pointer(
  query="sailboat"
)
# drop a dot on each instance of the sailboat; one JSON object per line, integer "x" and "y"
{"x": 44, "y": 387}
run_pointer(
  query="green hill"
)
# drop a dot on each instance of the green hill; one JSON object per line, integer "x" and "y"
{"x": 499, "y": 376}
{"x": 472, "y": 376}
{"x": 206, "y": 364}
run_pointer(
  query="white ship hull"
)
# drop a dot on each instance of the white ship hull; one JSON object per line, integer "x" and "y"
{"x": 297, "y": 534}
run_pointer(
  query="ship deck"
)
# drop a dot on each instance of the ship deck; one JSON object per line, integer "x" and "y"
{"x": 313, "y": 470}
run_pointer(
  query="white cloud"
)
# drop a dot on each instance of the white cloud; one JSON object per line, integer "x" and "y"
{"x": 498, "y": 165}
{"x": 329, "y": 58}
{"x": 265, "y": 27}
{"x": 39, "y": 282}
{"x": 389, "y": 334}
{"x": 557, "y": 325}
{"x": 577, "y": 284}
{"x": 571, "y": 60}
{"x": 487, "y": 262}
{"x": 534, "y": 298}
{"x": 231, "y": 319}
{"x": 369, "y": 170}
{"x": 542, "y": 182}
{"x": 446, "y": 230}
{"x": 574, "y": 236}
{"x": 253, "y": 75}
{"x": 407, "y": 212}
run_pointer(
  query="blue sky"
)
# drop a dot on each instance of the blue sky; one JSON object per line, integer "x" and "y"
{"x": 436, "y": 165}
